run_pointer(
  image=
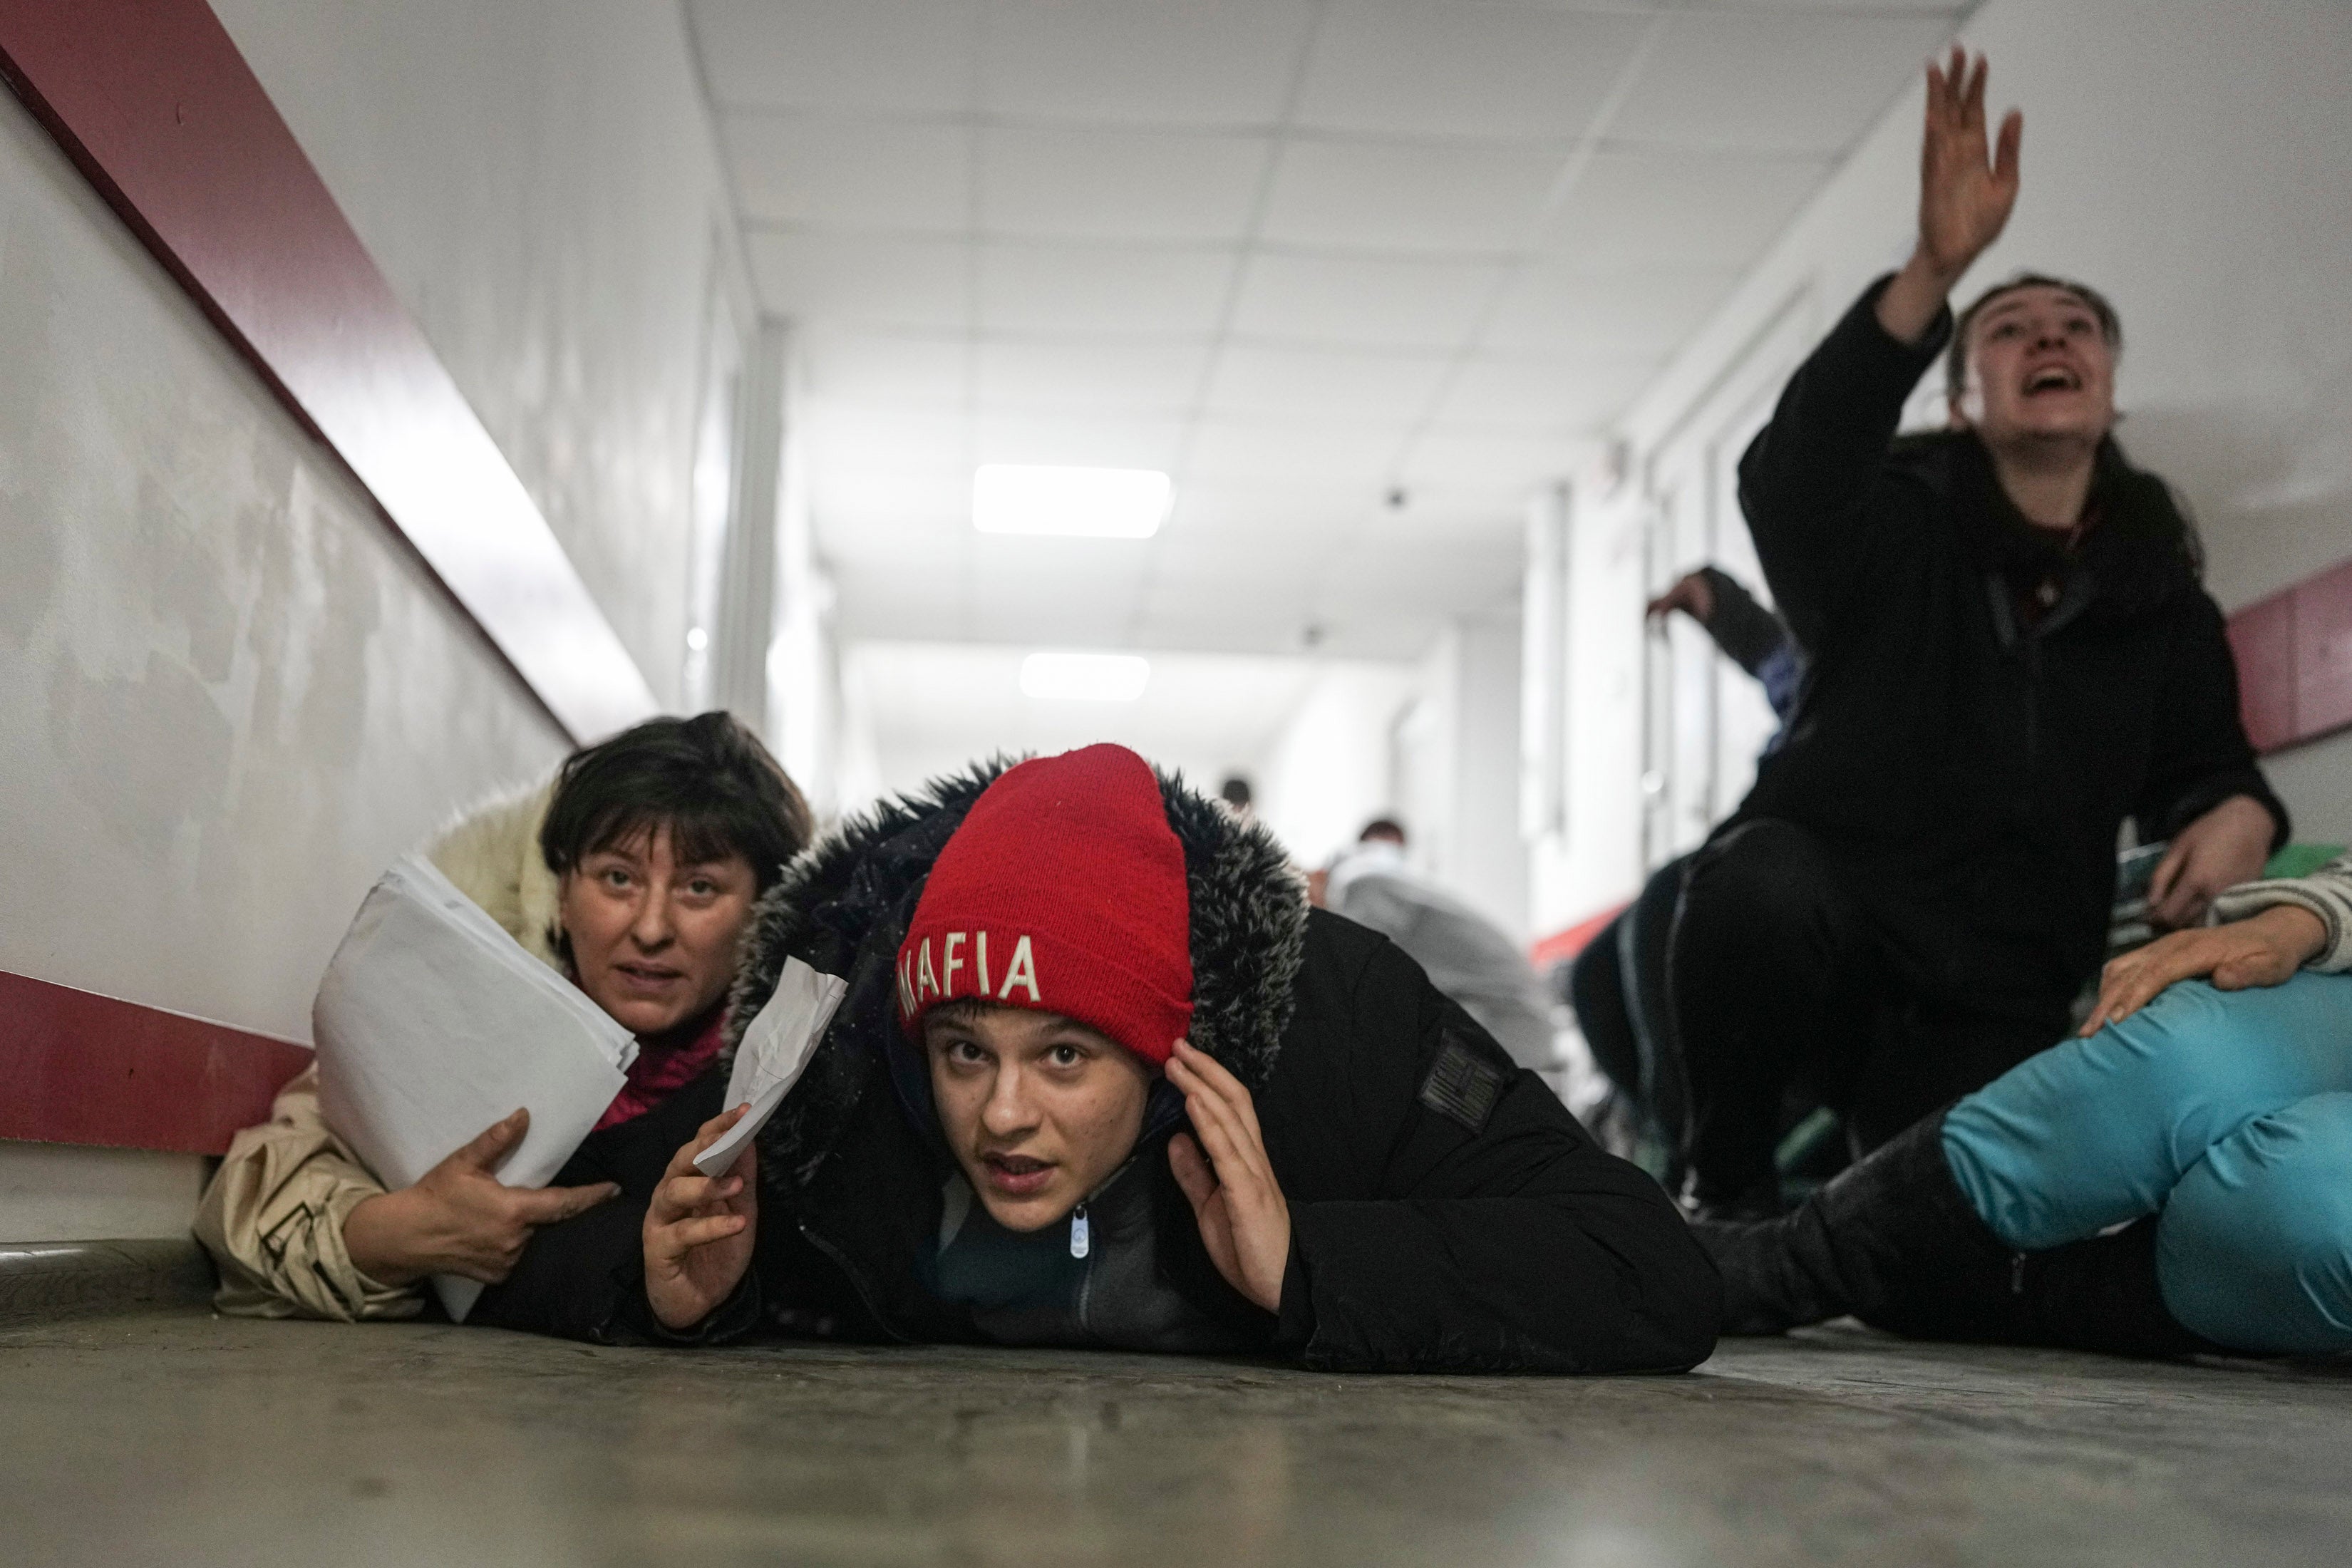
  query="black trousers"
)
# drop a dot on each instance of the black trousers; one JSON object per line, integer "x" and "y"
{"x": 1618, "y": 987}
{"x": 1779, "y": 978}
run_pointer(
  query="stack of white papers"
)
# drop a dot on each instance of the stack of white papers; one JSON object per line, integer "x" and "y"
{"x": 774, "y": 1052}
{"x": 432, "y": 1023}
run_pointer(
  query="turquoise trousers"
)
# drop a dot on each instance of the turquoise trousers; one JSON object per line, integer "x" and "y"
{"x": 2228, "y": 1112}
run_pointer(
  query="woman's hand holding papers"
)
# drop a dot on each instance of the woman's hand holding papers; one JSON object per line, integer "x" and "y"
{"x": 699, "y": 1230}
{"x": 459, "y": 1219}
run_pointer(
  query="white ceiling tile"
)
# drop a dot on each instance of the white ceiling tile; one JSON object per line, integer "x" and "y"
{"x": 850, "y": 172}
{"x": 1165, "y": 62}
{"x": 1119, "y": 184}
{"x": 1397, "y": 195}
{"x": 879, "y": 55}
{"x": 1223, "y": 574}
{"x": 1488, "y": 460}
{"x": 871, "y": 281}
{"x": 1378, "y": 580}
{"x": 858, "y": 494}
{"x": 1400, "y": 302}
{"x": 1079, "y": 440}
{"x": 1554, "y": 309}
{"x": 1357, "y": 453}
{"x": 1547, "y": 395}
{"x": 1323, "y": 384}
{"x": 1222, "y": 515}
{"x": 854, "y": 436}
{"x": 883, "y": 367}
{"x": 1406, "y": 66}
{"x": 1050, "y": 618}
{"x": 1139, "y": 290}
{"x": 1088, "y": 377}
{"x": 1766, "y": 82}
{"x": 899, "y": 601}
{"x": 854, "y": 538}
{"x": 1673, "y": 208}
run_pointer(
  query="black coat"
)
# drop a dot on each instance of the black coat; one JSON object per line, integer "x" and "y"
{"x": 1447, "y": 1214}
{"x": 1971, "y": 766}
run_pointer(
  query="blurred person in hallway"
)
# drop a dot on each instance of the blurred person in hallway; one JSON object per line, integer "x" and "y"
{"x": 2010, "y": 654}
{"x": 1465, "y": 956}
{"x": 2178, "y": 1178}
{"x": 633, "y": 872}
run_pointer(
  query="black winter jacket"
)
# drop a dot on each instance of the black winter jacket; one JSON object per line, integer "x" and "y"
{"x": 1447, "y": 1214}
{"x": 1972, "y": 770}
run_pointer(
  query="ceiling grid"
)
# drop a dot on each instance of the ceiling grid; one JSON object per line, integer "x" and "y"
{"x": 1299, "y": 253}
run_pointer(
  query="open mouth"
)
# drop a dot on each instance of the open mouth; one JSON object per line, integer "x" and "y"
{"x": 650, "y": 976}
{"x": 1017, "y": 1175}
{"x": 2053, "y": 378}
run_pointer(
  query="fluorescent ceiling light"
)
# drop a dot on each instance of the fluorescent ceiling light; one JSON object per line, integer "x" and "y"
{"x": 1094, "y": 503}
{"x": 1085, "y": 677}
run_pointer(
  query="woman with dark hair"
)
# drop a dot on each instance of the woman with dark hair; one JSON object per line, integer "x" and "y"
{"x": 634, "y": 871}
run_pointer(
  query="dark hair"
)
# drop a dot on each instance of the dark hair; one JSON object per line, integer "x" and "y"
{"x": 1956, "y": 356}
{"x": 1381, "y": 828}
{"x": 707, "y": 779}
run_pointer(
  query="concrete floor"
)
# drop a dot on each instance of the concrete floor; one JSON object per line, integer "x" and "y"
{"x": 174, "y": 1437}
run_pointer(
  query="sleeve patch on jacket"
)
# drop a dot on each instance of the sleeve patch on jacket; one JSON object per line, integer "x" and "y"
{"x": 1461, "y": 1087}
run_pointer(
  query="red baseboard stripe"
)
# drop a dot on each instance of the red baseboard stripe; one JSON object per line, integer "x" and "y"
{"x": 85, "y": 1068}
{"x": 154, "y": 104}
{"x": 2294, "y": 660}
{"x": 1564, "y": 945}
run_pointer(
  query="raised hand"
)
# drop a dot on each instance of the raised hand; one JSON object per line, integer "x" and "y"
{"x": 1966, "y": 187}
{"x": 699, "y": 1230}
{"x": 2263, "y": 950}
{"x": 459, "y": 1219}
{"x": 1966, "y": 190}
{"x": 1245, "y": 1220}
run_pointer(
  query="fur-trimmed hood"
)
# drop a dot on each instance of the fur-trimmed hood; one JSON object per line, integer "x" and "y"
{"x": 491, "y": 852}
{"x": 843, "y": 905}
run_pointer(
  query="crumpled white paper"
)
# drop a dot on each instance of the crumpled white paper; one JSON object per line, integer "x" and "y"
{"x": 774, "y": 1052}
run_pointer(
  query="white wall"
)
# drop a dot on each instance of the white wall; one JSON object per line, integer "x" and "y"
{"x": 227, "y": 693}
{"x": 2193, "y": 161}
{"x": 1328, "y": 771}
{"x": 540, "y": 181}
{"x": 1455, "y": 767}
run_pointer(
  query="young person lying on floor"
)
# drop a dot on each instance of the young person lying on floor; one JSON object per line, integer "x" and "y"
{"x": 2207, "y": 1111}
{"x": 1103, "y": 1078}
{"x": 635, "y": 872}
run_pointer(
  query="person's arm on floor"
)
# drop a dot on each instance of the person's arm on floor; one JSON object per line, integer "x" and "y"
{"x": 273, "y": 1218}
{"x": 1807, "y": 482}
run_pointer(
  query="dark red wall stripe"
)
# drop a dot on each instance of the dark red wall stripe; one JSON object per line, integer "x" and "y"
{"x": 153, "y": 101}
{"x": 84, "y": 1068}
{"x": 2294, "y": 660}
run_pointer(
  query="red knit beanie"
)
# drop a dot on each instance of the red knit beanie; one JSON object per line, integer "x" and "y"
{"x": 1062, "y": 891}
